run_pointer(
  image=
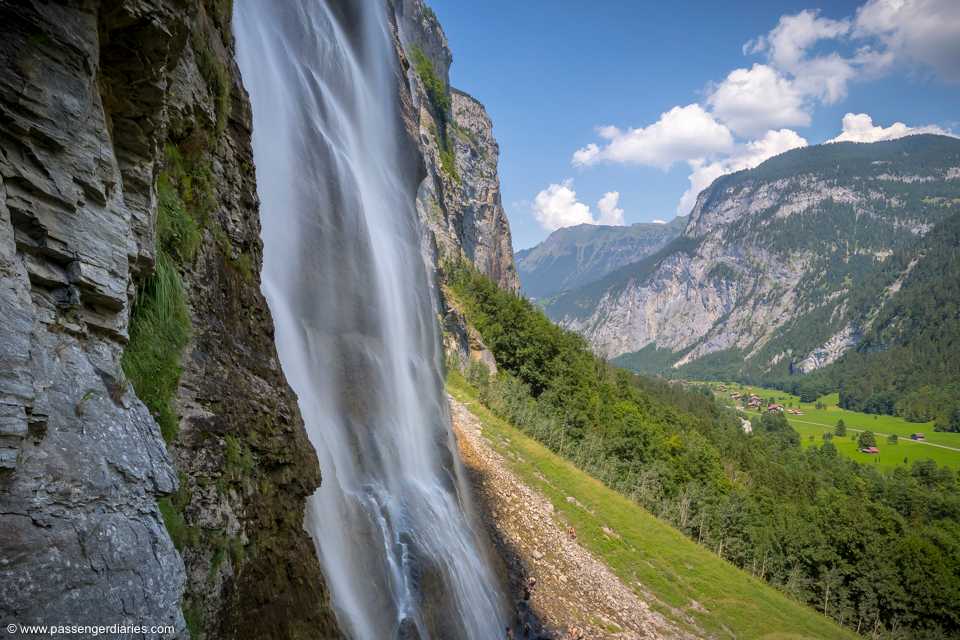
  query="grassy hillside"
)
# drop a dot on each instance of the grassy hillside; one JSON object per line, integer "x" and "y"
{"x": 679, "y": 577}
{"x": 817, "y": 421}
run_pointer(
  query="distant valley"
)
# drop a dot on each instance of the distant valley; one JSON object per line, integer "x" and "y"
{"x": 828, "y": 268}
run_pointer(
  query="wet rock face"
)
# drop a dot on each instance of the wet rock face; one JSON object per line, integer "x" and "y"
{"x": 96, "y": 98}
{"x": 81, "y": 459}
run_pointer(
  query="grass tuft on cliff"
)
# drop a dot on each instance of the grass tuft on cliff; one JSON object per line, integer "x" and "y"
{"x": 159, "y": 331}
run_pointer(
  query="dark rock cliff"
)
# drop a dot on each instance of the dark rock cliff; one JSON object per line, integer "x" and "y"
{"x": 129, "y": 296}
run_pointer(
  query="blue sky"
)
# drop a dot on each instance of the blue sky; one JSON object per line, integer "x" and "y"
{"x": 551, "y": 73}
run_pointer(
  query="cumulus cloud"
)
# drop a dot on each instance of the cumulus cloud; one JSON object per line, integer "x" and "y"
{"x": 921, "y": 31}
{"x": 747, "y": 156}
{"x": 610, "y": 212}
{"x": 751, "y": 101}
{"x": 813, "y": 78}
{"x": 678, "y": 135}
{"x": 658, "y": 221}
{"x": 788, "y": 42}
{"x": 859, "y": 127}
{"x": 557, "y": 206}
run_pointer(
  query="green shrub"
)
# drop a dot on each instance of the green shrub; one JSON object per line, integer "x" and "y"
{"x": 159, "y": 331}
{"x": 238, "y": 459}
{"x": 436, "y": 88}
{"x": 448, "y": 161}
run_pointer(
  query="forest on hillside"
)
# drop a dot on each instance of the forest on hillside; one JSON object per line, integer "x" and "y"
{"x": 908, "y": 363}
{"x": 876, "y": 551}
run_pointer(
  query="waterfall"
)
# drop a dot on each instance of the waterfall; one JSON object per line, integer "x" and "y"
{"x": 356, "y": 328}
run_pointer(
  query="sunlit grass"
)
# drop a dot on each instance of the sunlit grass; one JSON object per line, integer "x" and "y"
{"x": 815, "y": 422}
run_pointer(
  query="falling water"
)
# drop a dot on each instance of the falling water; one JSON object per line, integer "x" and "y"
{"x": 355, "y": 321}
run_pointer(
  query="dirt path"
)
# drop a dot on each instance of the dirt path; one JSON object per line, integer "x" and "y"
{"x": 574, "y": 591}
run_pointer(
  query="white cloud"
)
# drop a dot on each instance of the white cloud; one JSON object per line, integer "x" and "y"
{"x": 658, "y": 221}
{"x": 923, "y": 31}
{"x": 610, "y": 213}
{"x": 788, "y": 42}
{"x": 557, "y": 206}
{"x": 859, "y": 127}
{"x": 814, "y": 77}
{"x": 680, "y": 134}
{"x": 751, "y": 101}
{"x": 747, "y": 156}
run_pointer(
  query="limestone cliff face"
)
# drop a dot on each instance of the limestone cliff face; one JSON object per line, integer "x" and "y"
{"x": 773, "y": 270}
{"x": 127, "y": 186}
{"x": 459, "y": 198}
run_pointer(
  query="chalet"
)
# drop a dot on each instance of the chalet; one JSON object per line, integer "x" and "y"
{"x": 917, "y": 436}
{"x": 775, "y": 407}
{"x": 870, "y": 450}
{"x": 735, "y": 395}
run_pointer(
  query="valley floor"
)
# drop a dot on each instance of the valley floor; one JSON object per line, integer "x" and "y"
{"x": 625, "y": 574}
{"x": 942, "y": 448}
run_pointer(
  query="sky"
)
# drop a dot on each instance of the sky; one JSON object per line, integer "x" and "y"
{"x": 617, "y": 112}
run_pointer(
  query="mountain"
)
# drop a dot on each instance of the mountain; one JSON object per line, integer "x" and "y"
{"x": 783, "y": 268}
{"x": 574, "y": 256}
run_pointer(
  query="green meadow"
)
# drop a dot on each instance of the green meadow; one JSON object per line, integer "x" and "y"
{"x": 680, "y": 578}
{"x": 943, "y": 448}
